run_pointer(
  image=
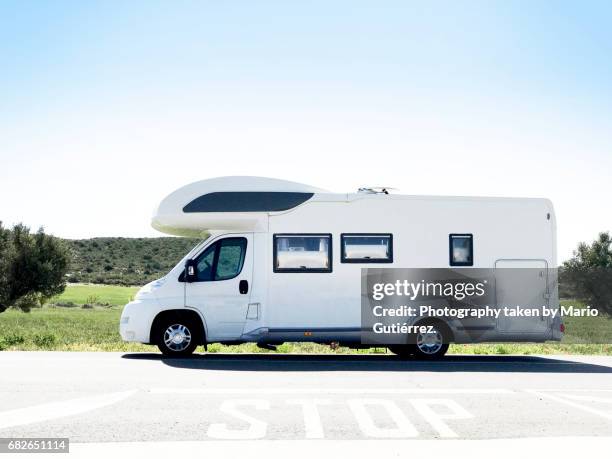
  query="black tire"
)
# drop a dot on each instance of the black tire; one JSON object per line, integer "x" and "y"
{"x": 419, "y": 355}
{"x": 405, "y": 351}
{"x": 177, "y": 346}
{"x": 434, "y": 348}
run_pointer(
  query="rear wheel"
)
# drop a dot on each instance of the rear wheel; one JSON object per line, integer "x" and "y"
{"x": 433, "y": 344}
{"x": 177, "y": 337}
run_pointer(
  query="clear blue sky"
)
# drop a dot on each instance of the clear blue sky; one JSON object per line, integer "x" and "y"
{"x": 105, "y": 107}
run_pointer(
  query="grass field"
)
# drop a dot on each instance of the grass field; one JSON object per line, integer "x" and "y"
{"x": 95, "y": 293}
{"x": 96, "y": 329}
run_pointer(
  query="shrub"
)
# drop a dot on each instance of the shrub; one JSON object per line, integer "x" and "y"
{"x": 65, "y": 304}
{"x": 92, "y": 299}
{"x": 501, "y": 349}
{"x": 13, "y": 340}
{"x": 33, "y": 267}
{"x": 30, "y": 301}
{"x": 588, "y": 274}
{"x": 44, "y": 340}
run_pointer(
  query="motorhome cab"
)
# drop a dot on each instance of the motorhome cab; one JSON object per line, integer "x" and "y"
{"x": 281, "y": 261}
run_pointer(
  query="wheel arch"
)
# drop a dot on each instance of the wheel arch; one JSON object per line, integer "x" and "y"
{"x": 450, "y": 335}
{"x": 182, "y": 313}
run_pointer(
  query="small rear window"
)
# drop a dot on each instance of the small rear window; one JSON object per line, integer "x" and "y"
{"x": 461, "y": 249}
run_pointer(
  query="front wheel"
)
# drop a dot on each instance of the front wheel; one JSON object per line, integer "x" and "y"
{"x": 177, "y": 338}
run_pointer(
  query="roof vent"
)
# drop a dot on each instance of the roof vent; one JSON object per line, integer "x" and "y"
{"x": 375, "y": 190}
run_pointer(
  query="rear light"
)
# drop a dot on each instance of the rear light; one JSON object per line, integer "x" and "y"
{"x": 562, "y": 328}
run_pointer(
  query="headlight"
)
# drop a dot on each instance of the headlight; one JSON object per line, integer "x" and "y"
{"x": 142, "y": 293}
{"x": 148, "y": 289}
{"x": 125, "y": 320}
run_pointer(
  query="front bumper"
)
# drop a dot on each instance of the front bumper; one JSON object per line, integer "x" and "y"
{"x": 136, "y": 320}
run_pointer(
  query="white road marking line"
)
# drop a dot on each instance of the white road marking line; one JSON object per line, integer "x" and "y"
{"x": 572, "y": 390}
{"x": 587, "y": 398}
{"x": 53, "y": 410}
{"x": 565, "y": 401}
{"x": 330, "y": 390}
{"x": 312, "y": 417}
{"x": 436, "y": 420}
{"x": 403, "y": 427}
{"x": 257, "y": 429}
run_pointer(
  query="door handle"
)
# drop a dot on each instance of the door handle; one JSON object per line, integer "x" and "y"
{"x": 243, "y": 287}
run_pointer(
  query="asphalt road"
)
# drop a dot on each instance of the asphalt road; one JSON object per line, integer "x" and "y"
{"x": 126, "y": 399}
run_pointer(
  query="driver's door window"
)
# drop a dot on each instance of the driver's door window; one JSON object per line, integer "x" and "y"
{"x": 222, "y": 260}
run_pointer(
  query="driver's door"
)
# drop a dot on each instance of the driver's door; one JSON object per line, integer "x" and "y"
{"x": 222, "y": 286}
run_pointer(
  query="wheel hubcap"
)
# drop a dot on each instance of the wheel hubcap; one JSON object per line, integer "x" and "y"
{"x": 429, "y": 343}
{"x": 177, "y": 337}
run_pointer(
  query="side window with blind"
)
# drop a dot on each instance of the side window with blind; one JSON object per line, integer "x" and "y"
{"x": 295, "y": 253}
{"x": 367, "y": 248}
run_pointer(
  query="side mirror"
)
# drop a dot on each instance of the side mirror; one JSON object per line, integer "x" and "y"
{"x": 191, "y": 271}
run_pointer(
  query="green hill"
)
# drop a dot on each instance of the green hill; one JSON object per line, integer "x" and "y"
{"x": 124, "y": 261}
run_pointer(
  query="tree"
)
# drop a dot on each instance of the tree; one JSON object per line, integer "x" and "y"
{"x": 33, "y": 267}
{"x": 588, "y": 274}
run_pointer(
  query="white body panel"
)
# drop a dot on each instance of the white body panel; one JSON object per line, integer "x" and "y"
{"x": 282, "y": 305}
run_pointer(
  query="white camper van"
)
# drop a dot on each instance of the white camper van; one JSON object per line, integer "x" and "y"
{"x": 281, "y": 261}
